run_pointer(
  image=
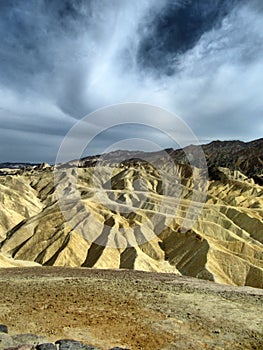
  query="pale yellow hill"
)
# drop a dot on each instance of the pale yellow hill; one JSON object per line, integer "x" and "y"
{"x": 18, "y": 200}
{"x": 6, "y": 261}
{"x": 126, "y": 218}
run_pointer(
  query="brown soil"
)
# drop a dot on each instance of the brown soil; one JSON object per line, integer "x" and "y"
{"x": 132, "y": 309}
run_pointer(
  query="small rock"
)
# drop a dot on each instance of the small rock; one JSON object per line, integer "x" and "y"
{"x": 217, "y": 331}
{"x": 31, "y": 339}
{"x": 5, "y": 341}
{"x": 117, "y": 348}
{"x": 22, "y": 347}
{"x": 3, "y": 328}
{"x": 46, "y": 346}
{"x": 67, "y": 344}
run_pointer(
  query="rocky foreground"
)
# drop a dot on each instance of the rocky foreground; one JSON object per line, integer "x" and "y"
{"x": 36, "y": 342}
{"x": 105, "y": 309}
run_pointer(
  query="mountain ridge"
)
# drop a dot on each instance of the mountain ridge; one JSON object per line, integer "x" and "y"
{"x": 231, "y": 148}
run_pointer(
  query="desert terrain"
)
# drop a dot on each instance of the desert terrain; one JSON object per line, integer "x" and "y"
{"x": 99, "y": 250}
{"x": 130, "y": 309}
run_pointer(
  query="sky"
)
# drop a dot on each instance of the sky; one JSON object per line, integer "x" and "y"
{"x": 61, "y": 60}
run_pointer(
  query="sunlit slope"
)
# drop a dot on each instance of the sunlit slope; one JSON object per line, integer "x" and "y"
{"x": 18, "y": 200}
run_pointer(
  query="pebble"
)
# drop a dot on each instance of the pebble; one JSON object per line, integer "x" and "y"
{"x": 22, "y": 347}
{"x": 3, "y": 328}
{"x": 46, "y": 346}
{"x": 5, "y": 341}
{"x": 68, "y": 344}
{"x": 32, "y": 339}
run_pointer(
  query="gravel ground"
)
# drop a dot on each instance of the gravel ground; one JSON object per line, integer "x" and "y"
{"x": 130, "y": 309}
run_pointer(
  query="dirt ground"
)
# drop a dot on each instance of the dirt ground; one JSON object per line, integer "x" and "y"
{"x": 132, "y": 309}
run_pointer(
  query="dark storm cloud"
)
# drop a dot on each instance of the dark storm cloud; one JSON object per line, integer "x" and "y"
{"x": 60, "y": 60}
{"x": 177, "y": 29}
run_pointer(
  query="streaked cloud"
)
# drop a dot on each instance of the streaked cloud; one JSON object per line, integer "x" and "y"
{"x": 61, "y": 60}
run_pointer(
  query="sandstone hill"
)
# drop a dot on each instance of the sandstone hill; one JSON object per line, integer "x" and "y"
{"x": 130, "y": 209}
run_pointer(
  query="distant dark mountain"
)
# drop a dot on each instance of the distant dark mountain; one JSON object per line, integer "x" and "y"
{"x": 246, "y": 157}
{"x": 236, "y": 155}
{"x": 16, "y": 165}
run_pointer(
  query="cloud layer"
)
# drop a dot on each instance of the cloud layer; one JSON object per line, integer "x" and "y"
{"x": 60, "y": 60}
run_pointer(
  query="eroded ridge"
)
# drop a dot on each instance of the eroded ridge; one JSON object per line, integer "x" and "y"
{"x": 131, "y": 214}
